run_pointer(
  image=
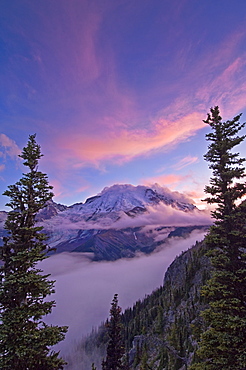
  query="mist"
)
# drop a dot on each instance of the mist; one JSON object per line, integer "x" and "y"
{"x": 84, "y": 289}
{"x": 66, "y": 226}
{"x": 167, "y": 215}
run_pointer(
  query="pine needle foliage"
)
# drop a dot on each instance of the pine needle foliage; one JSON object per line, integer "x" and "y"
{"x": 226, "y": 165}
{"x": 115, "y": 348}
{"x": 223, "y": 344}
{"x": 25, "y": 339}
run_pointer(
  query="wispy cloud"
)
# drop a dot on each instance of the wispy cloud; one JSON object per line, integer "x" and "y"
{"x": 124, "y": 145}
{"x": 116, "y": 140}
{"x": 72, "y": 56}
{"x": 187, "y": 161}
{"x": 227, "y": 88}
{"x": 8, "y": 147}
{"x": 170, "y": 180}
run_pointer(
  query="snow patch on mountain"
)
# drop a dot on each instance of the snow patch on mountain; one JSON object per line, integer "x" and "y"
{"x": 123, "y": 198}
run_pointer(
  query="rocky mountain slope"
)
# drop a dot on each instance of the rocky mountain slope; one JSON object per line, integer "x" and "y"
{"x": 119, "y": 222}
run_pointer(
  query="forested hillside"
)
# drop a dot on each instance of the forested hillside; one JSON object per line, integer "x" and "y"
{"x": 160, "y": 331}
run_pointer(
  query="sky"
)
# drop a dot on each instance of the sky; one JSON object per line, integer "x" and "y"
{"x": 117, "y": 91}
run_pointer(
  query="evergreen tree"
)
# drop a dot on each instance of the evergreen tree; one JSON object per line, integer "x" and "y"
{"x": 115, "y": 348}
{"x": 226, "y": 165}
{"x": 24, "y": 337}
{"x": 223, "y": 344}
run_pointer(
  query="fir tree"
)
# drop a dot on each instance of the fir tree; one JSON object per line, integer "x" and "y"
{"x": 115, "y": 348}
{"x": 223, "y": 344}
{"x": 24, "y": 337}
{"x": 226, "y": 165}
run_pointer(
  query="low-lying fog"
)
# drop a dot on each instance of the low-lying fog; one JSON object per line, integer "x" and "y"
{"x": 84, "y": 289}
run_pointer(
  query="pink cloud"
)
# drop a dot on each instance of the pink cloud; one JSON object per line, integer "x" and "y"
{"x": 126, "y": 144}
{"x": 197, "y": 195}
{"x": 190, "y": 181}
{"x": 117, "y": 131}
{"x": 228, "y": 87}
{"x": 113, "y": 128}
{"x": 217, "y": 78}
{"x": 187, "y": 161}
{"x": 60, "y": 190}
{"x": 83, "y": 188}
{"x": 233, "y": 99}
{"x": 164, "y": 180}
{"x": 72, "y": 55}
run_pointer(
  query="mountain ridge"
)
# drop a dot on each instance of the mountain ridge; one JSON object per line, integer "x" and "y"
{"x": 118, "y": 222}
{"x": 124, "y": 197}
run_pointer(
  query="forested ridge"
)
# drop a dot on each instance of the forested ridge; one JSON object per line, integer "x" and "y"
{"x": 165, "y": 325}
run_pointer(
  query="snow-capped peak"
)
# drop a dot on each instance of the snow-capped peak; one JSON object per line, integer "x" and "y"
{"x": 126, "y": 197}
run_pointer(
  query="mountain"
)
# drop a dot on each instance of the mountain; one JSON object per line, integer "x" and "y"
{"x": 120, "y": 221}
{"x": 52, "y": 209}
{"x": 118, "y": 199}
{"x": 164, "y": 327}
{"x": 127, "y": 198}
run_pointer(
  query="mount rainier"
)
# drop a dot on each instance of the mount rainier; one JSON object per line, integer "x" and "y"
{"x": 119, "y": 222}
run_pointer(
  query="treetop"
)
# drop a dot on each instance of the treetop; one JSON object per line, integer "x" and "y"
{"x": 31, "y": 153}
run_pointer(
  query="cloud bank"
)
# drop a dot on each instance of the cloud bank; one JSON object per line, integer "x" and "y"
{"x": 159, "y": 215}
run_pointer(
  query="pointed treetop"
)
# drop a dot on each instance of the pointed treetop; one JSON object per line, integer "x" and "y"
{"x": 31, "y": 153}
{"x": 216, "y": 118}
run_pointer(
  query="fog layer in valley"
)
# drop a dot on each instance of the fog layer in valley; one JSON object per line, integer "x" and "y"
{"x": 84, "y": 289}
